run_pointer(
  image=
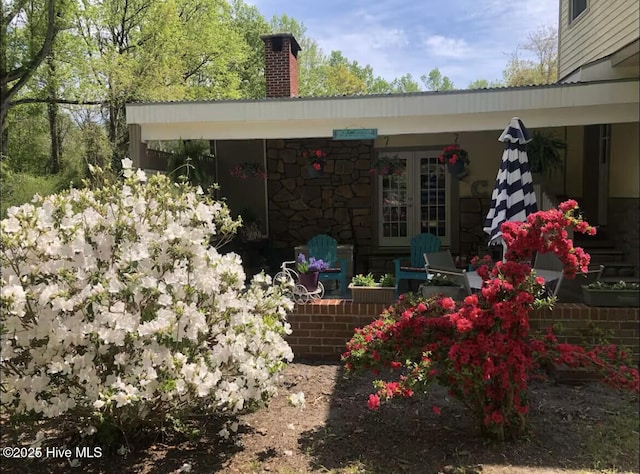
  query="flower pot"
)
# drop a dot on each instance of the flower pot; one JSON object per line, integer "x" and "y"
{"x": 455, "y": 292}
{"x": 606, "y": 297}
{"x": 373, "y": 294}
{"x": 316, "y": 173}
{"x": 566, "y": 375}
{"x": 309, "y": 280}
{"x": 457, "y": 169}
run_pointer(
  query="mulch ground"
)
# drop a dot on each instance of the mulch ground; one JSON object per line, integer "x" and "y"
{"x": 574, "y": 429}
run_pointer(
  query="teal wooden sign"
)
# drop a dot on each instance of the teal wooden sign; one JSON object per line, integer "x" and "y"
{"x": 355, "y": 134}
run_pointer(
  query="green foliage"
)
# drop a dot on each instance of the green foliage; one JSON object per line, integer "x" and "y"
{"x": 620, "y": 285}
{"x": 363, "y": 280}
{"x": 543, "y": 152}
{"x": 484, "y": 84}
{"x": 20, "y": 188}
{"x": 543, "y": 44}
{"x": 387, "y": 280}
{"x": 440, "y": 280}
{"x": 434, "y": 81}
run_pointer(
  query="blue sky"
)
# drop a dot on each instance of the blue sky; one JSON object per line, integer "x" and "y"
{"x": 465, "y": 39}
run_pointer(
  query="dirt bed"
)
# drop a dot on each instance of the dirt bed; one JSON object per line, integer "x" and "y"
{"x": 583, "y": 429}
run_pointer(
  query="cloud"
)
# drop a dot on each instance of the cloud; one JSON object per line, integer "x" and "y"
{"x": 447, "y": 47}
{"x": 463, "y": 40}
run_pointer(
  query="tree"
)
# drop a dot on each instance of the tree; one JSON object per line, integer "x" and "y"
{"x": 484, "y": 84}
{"x": 543, "y": 44}
{"x": 405, "y": 83}
{"x": 26, "y": 36}
{"x": 149, "y": 50}
{"x": 434, "y": 81}
{"x": 251, "y": 25}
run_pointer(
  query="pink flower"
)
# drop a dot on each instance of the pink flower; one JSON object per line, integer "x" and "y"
{"x": 436, "y": 409}
{"x": 317, "y": 166}
{"x": 374, "y": 402}
{"x": 447, "y": 303}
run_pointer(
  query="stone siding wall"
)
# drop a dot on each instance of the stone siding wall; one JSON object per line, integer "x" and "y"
{"x": 622, "y": 227}
{"x": 338, "y": 203}
{"x": 321, "y": 329}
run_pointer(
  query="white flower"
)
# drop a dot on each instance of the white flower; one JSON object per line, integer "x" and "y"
{"x": 297, "y": 400}
{"x": 118, "y": 298}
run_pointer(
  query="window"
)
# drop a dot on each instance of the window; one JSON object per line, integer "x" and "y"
{"x": 576, "y": 7}
{"x": 415, "y": 202}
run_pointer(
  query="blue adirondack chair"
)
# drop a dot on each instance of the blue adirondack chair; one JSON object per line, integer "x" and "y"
{"x": 413, "y": 269}
{"x": 325, "y": 247}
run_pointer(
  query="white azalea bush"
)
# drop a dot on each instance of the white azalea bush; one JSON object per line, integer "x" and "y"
{"x": 117, "y": 308}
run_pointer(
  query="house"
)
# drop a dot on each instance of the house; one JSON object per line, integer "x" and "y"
{"x": 594, "y": 108}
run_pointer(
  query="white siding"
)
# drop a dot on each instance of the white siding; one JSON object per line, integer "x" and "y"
{"x": 458, "y": 111}
{"x": 605, "y": 27}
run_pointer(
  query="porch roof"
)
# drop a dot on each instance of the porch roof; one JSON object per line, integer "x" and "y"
{"x": 392, "y": 114}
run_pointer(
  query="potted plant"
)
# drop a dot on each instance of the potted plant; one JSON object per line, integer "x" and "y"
{"x": 309, "y": 271}
{"x": 386, "y": 165}
{"x": 317, "y": 161}
{"x": 248, "y": 169}
{"x": 456, "y": 158}
{"x": 543, "y": 153}
{"x": 621, "y": 294}
{"x": 440, "y": 284}
{"x": 365, "y": 289}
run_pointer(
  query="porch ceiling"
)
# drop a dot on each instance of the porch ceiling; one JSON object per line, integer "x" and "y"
{"x": 456, "y": 111}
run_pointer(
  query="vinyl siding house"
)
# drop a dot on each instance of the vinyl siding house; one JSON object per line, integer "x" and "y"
{"x": 594, "y": 108}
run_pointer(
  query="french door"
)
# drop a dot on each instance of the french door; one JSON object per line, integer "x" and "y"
{"x": 415, "y": 202}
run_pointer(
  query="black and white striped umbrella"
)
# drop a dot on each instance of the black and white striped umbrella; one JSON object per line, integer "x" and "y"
{"x": 513, "y": 197}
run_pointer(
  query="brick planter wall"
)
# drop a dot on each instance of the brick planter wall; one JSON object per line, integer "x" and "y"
{"x": 321, "y": 329}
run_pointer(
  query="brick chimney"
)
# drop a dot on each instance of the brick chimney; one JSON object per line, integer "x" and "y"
{"x": 281, "y": 65}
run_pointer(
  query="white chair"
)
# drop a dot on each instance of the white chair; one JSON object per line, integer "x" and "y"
{"x": 442, "y": 259}
{"x": 549, "y": 267}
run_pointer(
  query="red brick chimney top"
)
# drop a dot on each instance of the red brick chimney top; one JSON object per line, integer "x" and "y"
{"x": 281, "y": 64}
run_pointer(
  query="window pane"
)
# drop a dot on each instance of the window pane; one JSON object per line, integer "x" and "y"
{"x": 577, "y": 7}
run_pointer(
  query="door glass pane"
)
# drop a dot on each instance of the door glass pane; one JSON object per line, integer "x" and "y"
{"x": 394, "y": 206}
{"x": 433, "y": 196}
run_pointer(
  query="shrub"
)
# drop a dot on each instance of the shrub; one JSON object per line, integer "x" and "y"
{"x": 116, "y": 308}
{"x": 481, "y": 348}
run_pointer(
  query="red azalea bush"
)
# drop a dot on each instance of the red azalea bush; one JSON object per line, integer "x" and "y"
{"x": 481, "y": 348}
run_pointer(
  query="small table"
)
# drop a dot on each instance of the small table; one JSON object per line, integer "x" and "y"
{"x": 475, "y": 281}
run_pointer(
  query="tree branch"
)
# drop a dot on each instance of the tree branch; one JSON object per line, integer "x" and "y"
{"x": 16, "y": 9}
{"x": 50, "y": 100}
{"x": 52, "y": 30}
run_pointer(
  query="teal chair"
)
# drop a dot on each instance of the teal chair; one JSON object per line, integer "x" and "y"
{"x": 325, "y": 247}
{"x": 413, "y": 268}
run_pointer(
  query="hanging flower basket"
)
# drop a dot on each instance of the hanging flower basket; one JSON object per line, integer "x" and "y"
{"x": 317, "y": 160}
{"x": 456, "y": 158}
{"x": 386, "y": 165}
{"x": 316, "y": 171}
{"x": 248, "y": 169}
